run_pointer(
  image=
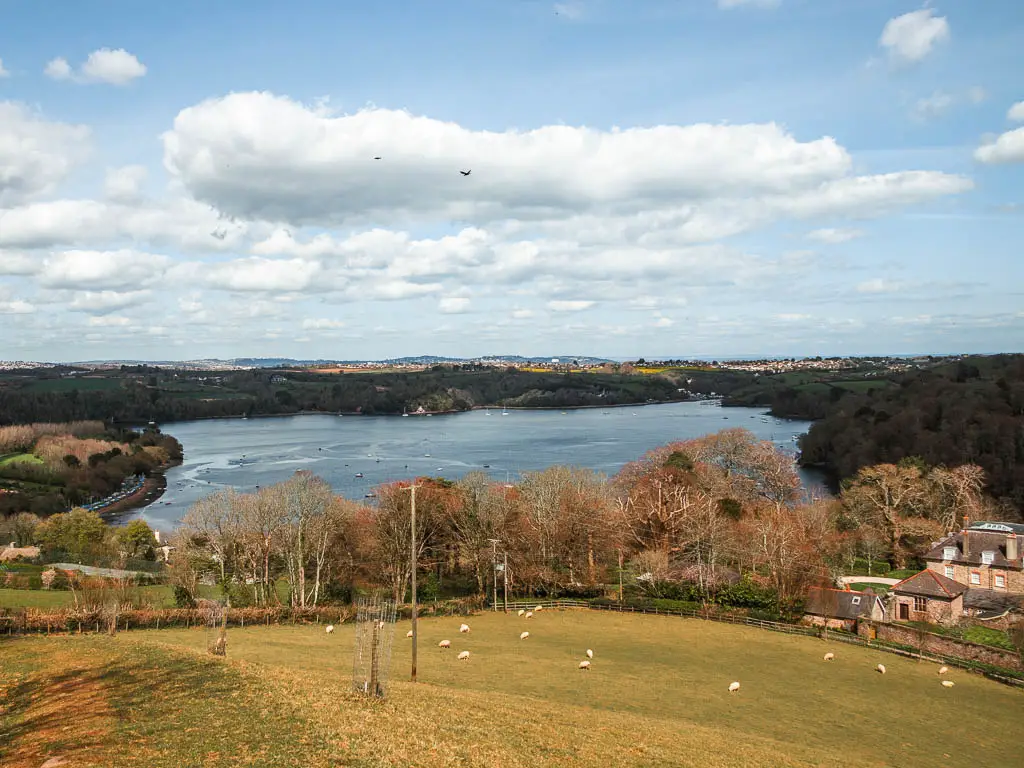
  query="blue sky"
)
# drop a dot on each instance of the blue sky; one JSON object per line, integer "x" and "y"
{"x": 655, "y": 177}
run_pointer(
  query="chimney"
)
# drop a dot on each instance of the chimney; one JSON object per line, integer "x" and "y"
{"x": 966, "y": 547}
{"x": 1012, "y": 551}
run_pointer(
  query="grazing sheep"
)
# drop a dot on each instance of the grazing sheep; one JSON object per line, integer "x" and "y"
{"x": 590, "y": 654}
{"x": 881, "y": 669}
{"x": 947, "y": 683}
{"x": 733, "y": 687}
{"x": 380, "y": 625}
{"x": 830, "y": 657}
{"x": 330, "y": 628}
{"x": 584, "y": 665}
{"x": 445, "y": 644}
{"x": 943, "y": 670}
{"x": 529, "y": 614}
{"x": 524, "y": 635}
{"x": 537, "y": 608}
{"x": 521, "y": 612}
{"x": 463, "y": 655}
{"x": 409, "y": 633}
{"x": 464, "y": 628}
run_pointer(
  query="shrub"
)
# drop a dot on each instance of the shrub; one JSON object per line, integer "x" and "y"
{"x": 183, "y": 598}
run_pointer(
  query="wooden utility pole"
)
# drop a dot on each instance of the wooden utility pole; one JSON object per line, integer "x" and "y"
{"x": 504, "y": 580}
{"x": 412, "y": 565}
{"x": 620, "y": 575}
{"x": 494, "y": 571}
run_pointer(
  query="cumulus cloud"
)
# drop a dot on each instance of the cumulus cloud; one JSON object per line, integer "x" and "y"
{"x": 101, "y": 302}
{"x": 124, "y": 185}
{"x": 1016, "y": 112}
{"x": 106, "y": 65}
{"x": 453, "y": 305}
{"x": 15, "y": 263}
{"x": 830, "y": 235}
{"x": 16, "y": 307}
{"x": 877, "y": 285}
{"x": 1007, "y": 148}
{"x": 3, "y": 72}
{"x": 321, "y": 324}
{"x": 912, "y": 36}
{"x": 35, "y": 154}
{"x": 108, "y": 321}
{"x": 98, "y": 270}
{"x": 253, "y": 274}
{"x": 569, "y": 306}
{"x": 933, "y": 106}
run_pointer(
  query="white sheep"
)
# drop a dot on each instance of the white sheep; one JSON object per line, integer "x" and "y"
{"x": 947, "y": 683}
{"x": 733, "y": 687}
{"x": 445, "y": 644}
{"x": 463, "y": 655}
{"x": 409, "y": 633}
{"x": 830, "y": 656}
{"x": 881, "y": 669}
{"x": 330, "y": 628}
{"x": 521, "y": 612}
{"x": 584, "y": 665}
{"x": 943, "y": 670}
{"x": 529, "y": 614}
{"x": 537, "y": 608}
{"x": 590, "y": 654}
{"x": 464, "y": 628}
{"x": 524, "y": 635}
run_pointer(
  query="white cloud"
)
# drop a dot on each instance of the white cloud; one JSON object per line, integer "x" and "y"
{"x": 253, "y": 274}
{"x": 877, "y": 285}
{"x": 976, "y": 94}
{"x": 1016, "y": 112}
{"x": 573, "y": 9}
{"x": 322, "y": 324}
{"x": 1007, "y": 148}
{"x": 453, "y": 305}
{"x": 830, "y": 235}
{"x": 35, "y": 154}
{"x": 109, "y": 321}
{"x": 14, "y": 263}
{"x": 726, "y": 4}
{"x": 569, "y": 306}
{"x": 3, "y": 72}
{"x": 912, "y": 36}
{"x": 933, "y": 106}
{"x": 58, "y": 69}
{"x": 521, "y": 314}
{"x": 123, "y": 185}
{"x": 16, "y": 307}
{"x": 99, "y": 302}
{"x": 114, "y": 67}
{"x": 113, "y": 270}
{"x": 663, "y": 322}
{"x": 792, "y": 317}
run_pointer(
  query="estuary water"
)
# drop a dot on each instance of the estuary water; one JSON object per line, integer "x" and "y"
{"x": 356, "y": 453}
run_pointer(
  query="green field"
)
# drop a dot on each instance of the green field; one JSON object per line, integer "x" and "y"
{"x": 20, "y": 458}
{"x": 656, "y": 696}
{"x": 160, "y": 596}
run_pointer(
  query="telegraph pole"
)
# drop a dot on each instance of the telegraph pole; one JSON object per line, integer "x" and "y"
{"x": 494, "y": 570}
{"x": 412, "y": 562}
{"x": 504, "y": 580}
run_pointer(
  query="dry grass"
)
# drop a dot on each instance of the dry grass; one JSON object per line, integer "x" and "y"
{"x": 53, "y": 448}
{"x": 657, "y": 695}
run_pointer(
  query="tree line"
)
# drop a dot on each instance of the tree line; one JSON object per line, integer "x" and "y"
{"x": 722, "y": 512}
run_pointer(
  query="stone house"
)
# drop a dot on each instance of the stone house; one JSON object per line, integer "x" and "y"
{"x": 983, "y": 555}
{"x": 841, "y": 608}
{"x": 927, "y": 596}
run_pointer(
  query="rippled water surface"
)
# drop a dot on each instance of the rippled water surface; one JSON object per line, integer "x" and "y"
{"x": 246, "y": 453}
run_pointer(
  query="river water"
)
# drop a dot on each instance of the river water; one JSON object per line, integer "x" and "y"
{"x": 247, "y": 453}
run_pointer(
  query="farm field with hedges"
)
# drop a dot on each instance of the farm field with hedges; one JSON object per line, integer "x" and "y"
{"x": 657, "y": 695}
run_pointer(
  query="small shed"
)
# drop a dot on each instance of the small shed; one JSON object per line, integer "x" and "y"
{"x": 841, "y": 608}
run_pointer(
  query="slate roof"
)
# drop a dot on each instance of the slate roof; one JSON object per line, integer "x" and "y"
{"x": 839, "y": 603}
{"x": 978, "y": 542}
{"x": 930, "y": 584}
{"x": 991, "y": 600}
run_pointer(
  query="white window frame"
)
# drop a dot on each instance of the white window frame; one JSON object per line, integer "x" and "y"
{"x": 856, "y": 600}
{"x": 949, "y": 571}
{"x": 949, "y": 553}
{"x": 988, "y": 557}
{"x": 1000, "y": 581}
{"x": 975, "y": 578}
{"x": 922, "y": 601}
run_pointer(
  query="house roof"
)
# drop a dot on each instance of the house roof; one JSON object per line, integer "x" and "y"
{"x": 839, "y": 603}
{"x": 991, "y": 600}
{"x": 978, "y": 541}
{"x": 930, "y": 584}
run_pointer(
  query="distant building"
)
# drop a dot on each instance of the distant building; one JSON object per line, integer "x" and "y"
{"x": 928, "y": 596}
{"x": 982, "y": 556}
{"x": 841, "y": 608}
{"x": 278, "y": 379}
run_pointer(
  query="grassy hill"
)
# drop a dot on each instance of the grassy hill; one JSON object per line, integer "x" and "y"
{"x": 656, "y": 696}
